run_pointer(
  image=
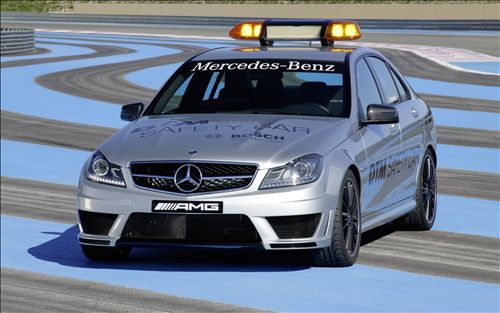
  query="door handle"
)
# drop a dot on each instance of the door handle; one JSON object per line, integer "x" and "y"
{"x": 414, "y": 113}
{"x": 393, "y": 128}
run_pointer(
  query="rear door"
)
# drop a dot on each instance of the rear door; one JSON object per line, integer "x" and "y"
{"x": 382, "y": 143}
{"x": 410, "y": 122}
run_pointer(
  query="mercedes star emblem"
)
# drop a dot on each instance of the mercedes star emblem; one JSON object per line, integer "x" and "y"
{"x": 188, "y": 178}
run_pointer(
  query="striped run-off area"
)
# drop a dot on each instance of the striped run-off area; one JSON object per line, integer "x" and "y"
{"x": 59, "y": 104}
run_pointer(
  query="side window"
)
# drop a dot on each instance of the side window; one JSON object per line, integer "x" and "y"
{"x": 403, "y": 94}
{"x": 385, "y": 79}
{"x": 366, "y": 86}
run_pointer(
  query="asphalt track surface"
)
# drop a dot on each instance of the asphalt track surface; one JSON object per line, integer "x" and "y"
{"x": 436, "y": 253}
{"x": 56, "y": 294}
{"x": 100, "y": 51}
{"x": 82, "y": 137}
{"x": 482, "y": 44}
{"x": 37, "y": 51}
{"x": 107, "y": 83}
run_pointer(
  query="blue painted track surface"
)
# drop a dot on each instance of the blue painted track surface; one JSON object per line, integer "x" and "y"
{"x": 488, "y": 67}
{"x": 241, "y": 278}
{"x": 56, "y": 50}
{"x": 466, "y": 119}
{"x": 207, "y": 43}
{"x": 153, "y": 77}
{"x": 49, "y": 104}
{"x": 469, "y": 158}
{"x": 62, "y": 166}
{"x": 448, "y": 89}
{"x": 14, "y": 154}
{"x": 468, "y": 216}
{"x": 43, "y": 163}
{"x": 252, "y": 279}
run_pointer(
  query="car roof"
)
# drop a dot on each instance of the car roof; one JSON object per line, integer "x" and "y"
{"x": 332, "y": 54}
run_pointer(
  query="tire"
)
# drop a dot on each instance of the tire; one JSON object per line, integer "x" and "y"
{"x": 347, "y": 219}
{"x": 96, "y": 253}
{"x": 424, "y": 215}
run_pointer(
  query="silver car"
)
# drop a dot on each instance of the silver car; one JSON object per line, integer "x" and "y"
{"x": 281, "y": 147}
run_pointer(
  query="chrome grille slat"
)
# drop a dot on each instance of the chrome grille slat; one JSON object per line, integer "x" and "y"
{"x": 217, "y": 177}
{"x": 229, "y": 177}
{"x": 153, "y": 176}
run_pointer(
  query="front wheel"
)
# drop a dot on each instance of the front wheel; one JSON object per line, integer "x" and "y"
{"x": 424, "y": 215}
{"x": 346, "y": 238}
{"x": 97, "y": 253}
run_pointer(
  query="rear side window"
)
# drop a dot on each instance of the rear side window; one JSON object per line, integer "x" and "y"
{"x": 387, "y": 84}
{"x": 366, "y": 86}
{"x": 403, "y": 94}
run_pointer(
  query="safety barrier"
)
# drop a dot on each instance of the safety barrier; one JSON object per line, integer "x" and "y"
{"x": 17, "y": 40}
{"x": 231, "y": 21}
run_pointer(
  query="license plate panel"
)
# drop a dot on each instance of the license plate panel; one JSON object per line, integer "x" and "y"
{"x": 165, "y": 206}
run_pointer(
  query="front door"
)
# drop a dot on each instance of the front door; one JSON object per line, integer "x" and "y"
{"x": 410, "y": 121}
{"x": 379, "y": 180}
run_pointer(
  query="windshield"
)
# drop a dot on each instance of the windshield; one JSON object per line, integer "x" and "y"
{"x": 255, "y": 87}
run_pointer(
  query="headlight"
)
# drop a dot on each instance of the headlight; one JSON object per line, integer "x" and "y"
{"x": 300, "y": 171}
{"x": 101, "y": 171}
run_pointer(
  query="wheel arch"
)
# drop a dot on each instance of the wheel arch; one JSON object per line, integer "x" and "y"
{"x": 354, "y": 169}
{"x": 433, "y": 153}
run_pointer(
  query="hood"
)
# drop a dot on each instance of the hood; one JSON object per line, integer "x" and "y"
{"x": 268, "y": 140}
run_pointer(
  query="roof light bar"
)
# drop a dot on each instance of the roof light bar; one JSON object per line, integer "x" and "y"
{"x": 268, "y": 31}
{"x": 344, "y": 30}
{"x": 247, "y": 31}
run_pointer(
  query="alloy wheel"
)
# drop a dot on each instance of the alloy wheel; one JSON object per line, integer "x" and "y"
{"x": 429, "y": 189}
{"x": 350, "y": 217}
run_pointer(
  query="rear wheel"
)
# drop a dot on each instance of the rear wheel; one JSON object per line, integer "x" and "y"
{"x": 105, "y": 253}
{"x": 424, "y": 215}
{"x": 346, "y": 238}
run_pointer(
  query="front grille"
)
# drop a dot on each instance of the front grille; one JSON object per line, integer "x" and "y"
{"x": 96, "y": 223}
{"x": 215, "y": 176}
{"x": 185, "y": 228}
{"x": 297, "y": 226}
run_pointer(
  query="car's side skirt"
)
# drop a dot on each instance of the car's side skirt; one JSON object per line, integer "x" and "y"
{"x": 388, "y": 214}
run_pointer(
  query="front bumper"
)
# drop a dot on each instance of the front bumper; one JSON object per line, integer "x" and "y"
{"x": 262, "y": 207}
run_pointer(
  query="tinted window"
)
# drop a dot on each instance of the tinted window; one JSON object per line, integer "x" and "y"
{"x": 256, "y": 87}
{"x": 403, "y": 95}
{"x": 385, "y": 79}
{"x": 366, "y": 86}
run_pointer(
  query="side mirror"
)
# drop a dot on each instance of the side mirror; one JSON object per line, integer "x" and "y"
{"x": 131, "y": 112}
{"x": 381, "y": 114}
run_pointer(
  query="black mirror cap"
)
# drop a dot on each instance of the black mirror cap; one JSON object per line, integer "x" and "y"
{"x": 381, "y": 114}
{"x": 131, "y": 112}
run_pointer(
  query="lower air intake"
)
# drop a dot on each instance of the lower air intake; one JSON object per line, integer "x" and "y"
{"x": 190, "y": 228}
{"x": 297, "y": 226}
{"x": 96, "y": 223}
